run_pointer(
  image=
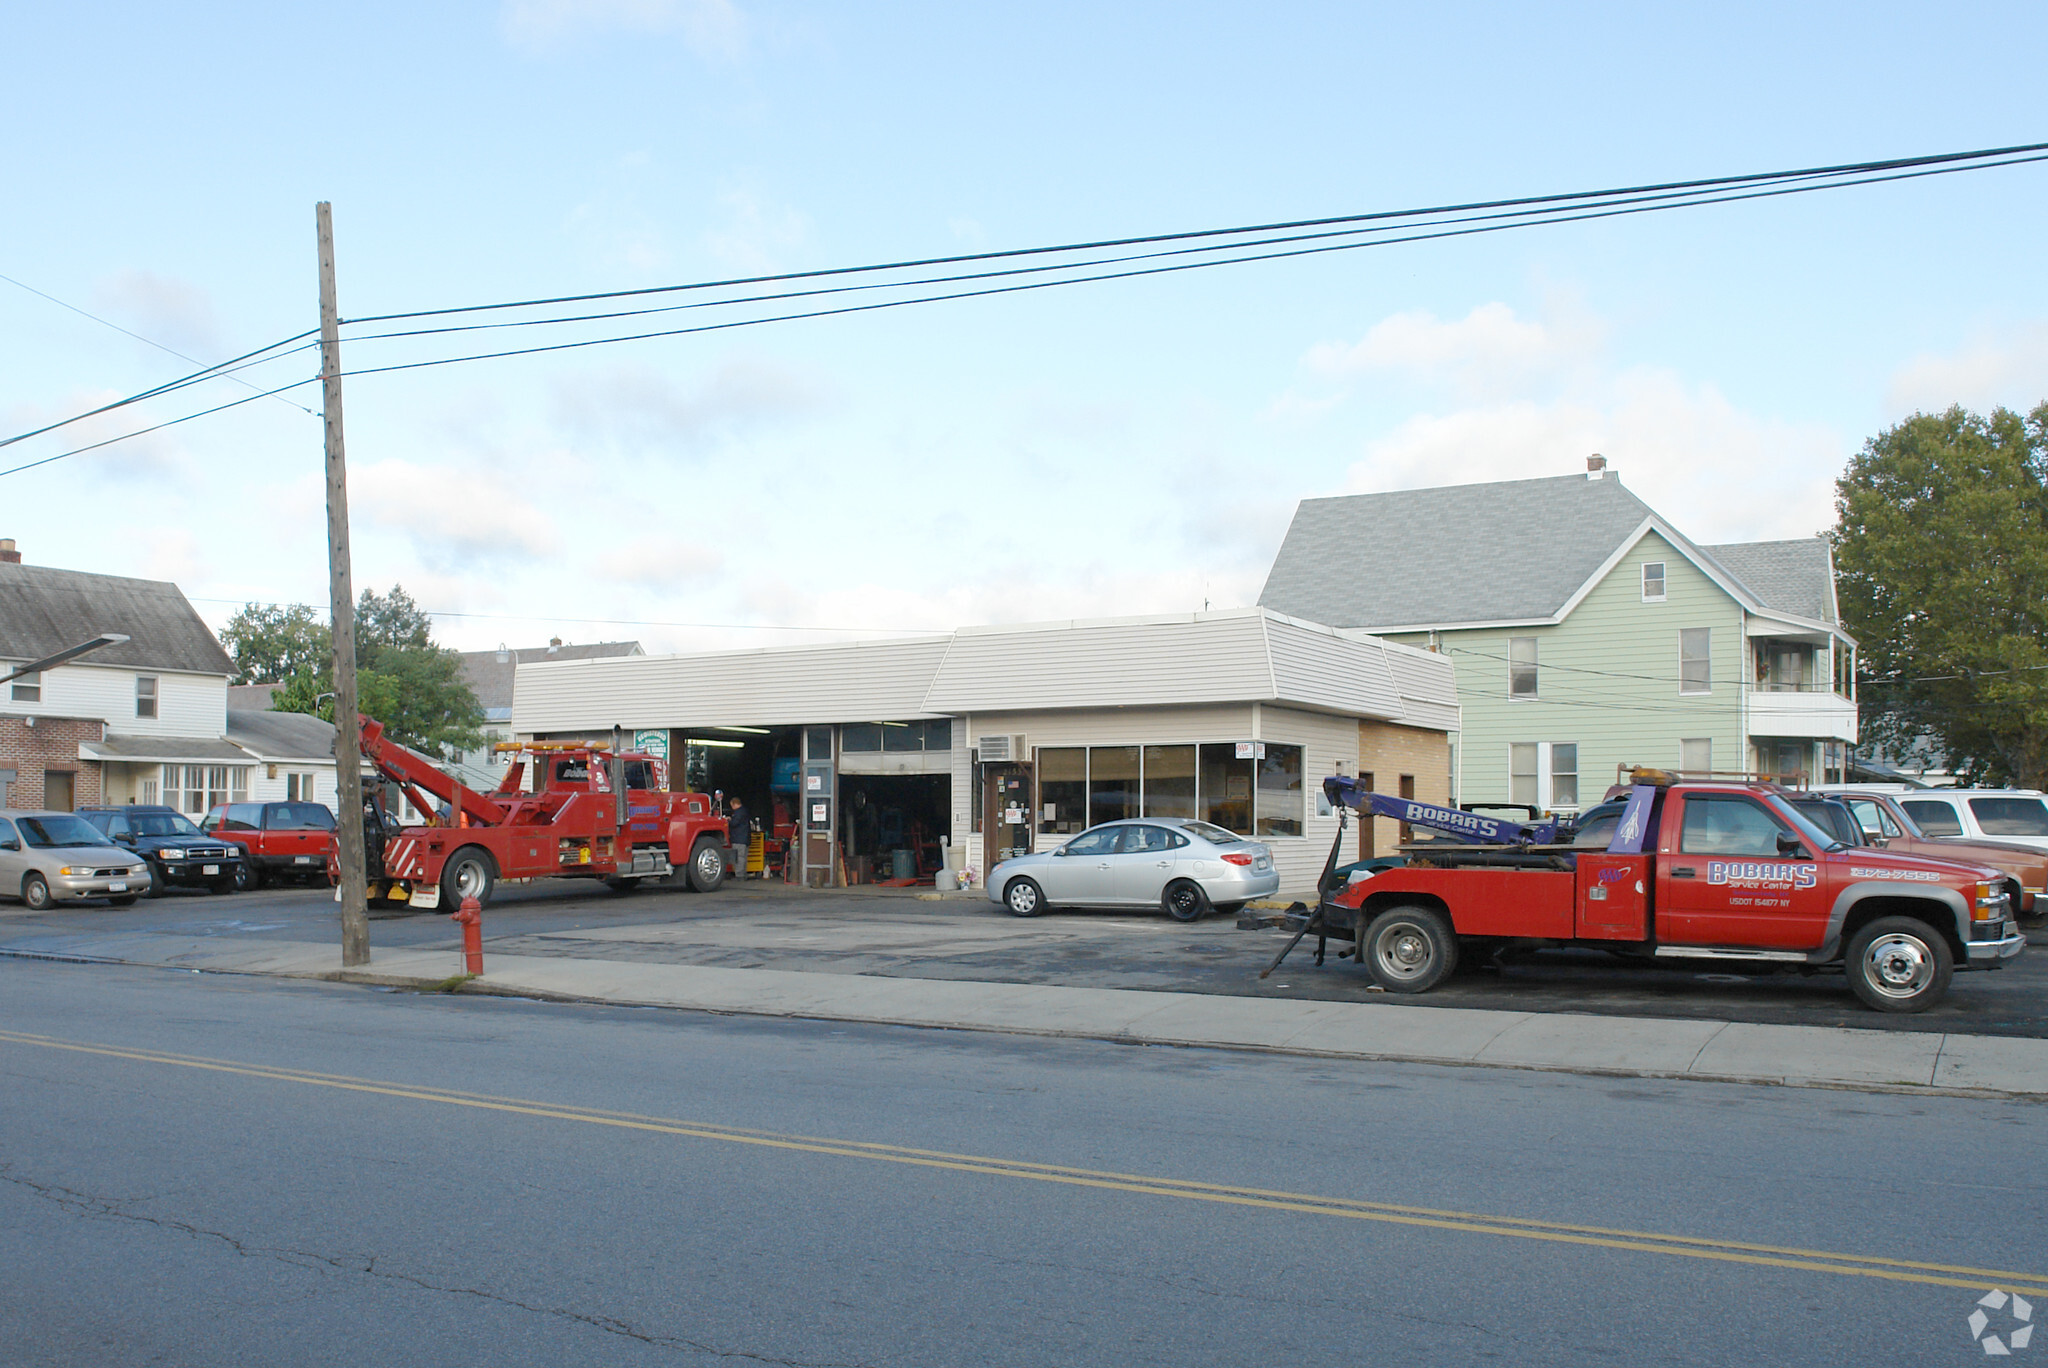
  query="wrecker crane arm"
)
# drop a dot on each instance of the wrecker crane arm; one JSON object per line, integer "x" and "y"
{"x": 414, "y": 771}
{"x": 1454, "y": 822}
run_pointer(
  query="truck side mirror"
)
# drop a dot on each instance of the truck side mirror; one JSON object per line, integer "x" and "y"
{"x": 1788, "y": 844}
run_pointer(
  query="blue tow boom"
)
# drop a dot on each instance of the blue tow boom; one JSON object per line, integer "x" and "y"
{"x": 1454, "y": 822}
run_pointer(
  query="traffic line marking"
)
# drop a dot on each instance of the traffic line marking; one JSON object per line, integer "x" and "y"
{"x": 1466, "y": 1222}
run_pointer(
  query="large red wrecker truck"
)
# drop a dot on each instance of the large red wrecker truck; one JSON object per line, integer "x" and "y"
{"x": 592, "y": 812}
{"x": 1697, "y": 871}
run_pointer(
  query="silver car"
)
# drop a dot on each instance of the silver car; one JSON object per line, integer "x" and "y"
{"x": 51, "y": 857}
{"x": 1183, "y": 866}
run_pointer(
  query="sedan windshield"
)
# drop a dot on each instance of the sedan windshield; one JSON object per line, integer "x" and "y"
{"x": 163, "y": 824}
{"x": 50, "y": 833}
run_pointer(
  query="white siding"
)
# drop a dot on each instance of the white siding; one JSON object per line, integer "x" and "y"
{"x": 1317, "y": 667}
{"x": 187, "y": 704}
{"x": 1209, "y": 659}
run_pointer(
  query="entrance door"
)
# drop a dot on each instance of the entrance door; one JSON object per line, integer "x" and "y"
{"x": 1724, "y": 880}
{"x": 1006, "y": 812}
{"x": 57, "y": 790}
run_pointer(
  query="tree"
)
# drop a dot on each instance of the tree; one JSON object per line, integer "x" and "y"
{"x": 1941, "y": 551}
{"x": 272, "y": 643}
{"x": 415, "y": 688}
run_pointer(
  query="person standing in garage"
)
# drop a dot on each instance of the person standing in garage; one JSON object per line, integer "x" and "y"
{"x": 739, "y": 829}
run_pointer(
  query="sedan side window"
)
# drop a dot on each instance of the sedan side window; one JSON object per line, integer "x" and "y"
{"x": 1140, "y": 840}
{"x": 1101, "y": 841}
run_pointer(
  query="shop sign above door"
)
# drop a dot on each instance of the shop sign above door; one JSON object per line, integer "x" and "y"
{"x": 652, "y": 742}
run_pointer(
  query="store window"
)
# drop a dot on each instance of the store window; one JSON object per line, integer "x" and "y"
{"x": 1112, "y": 783}
{"x": 1062, "y": 789}
{"x": 1280, "y": 793}
{"x": 1170, "y": 781}
{"x": 932, "y": 734}
{"x": 860, "y": 737}
{"x": 28, "y": 688}
{"x": 145, "y": 695}
{"x": 1521, "y": 667}
{"x": 1225, "y": 787}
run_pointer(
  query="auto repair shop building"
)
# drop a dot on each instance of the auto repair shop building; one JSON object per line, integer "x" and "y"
{"x": 873, "y": 760}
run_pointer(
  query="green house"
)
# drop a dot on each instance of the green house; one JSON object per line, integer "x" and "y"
{"x": 1587, "y": 632}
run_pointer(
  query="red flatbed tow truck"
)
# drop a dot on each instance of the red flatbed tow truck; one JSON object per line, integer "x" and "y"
{"x": 1704, "y": 871}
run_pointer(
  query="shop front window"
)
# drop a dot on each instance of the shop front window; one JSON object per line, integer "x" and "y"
{"x": 1170, "y": 781}
{"x": 1062, "y": 789}
{"x": 1226, "y": 787}
{"x": 1280, "y": 794}
{"x": 1112, "y": 783}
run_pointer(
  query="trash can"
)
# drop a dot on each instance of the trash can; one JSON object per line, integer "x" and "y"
{"x": 902, "y": 864}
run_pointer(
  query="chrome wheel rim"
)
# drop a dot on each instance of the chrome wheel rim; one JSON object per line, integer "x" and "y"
{"x": 710, "y": 863}
{"x": 1403, "y": 951}
{"x": 1023, "y": 898}
{"x": 1898, "y": 965}
{"x": 469, "y": 880}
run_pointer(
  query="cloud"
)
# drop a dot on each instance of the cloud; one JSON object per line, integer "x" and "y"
{"x": 637, "y": 403}
{"x": 617, "y": 233}
{"x": 172, "y": 554}
{"x": 711, "y": 28}
{"x": 454, "y": 515}
{"x": 754, "y": 233}
{"x": 660, "y": 563}
{"x": 151, "y": 456}
{"x": 2008, "y": 367}
{"x": 1489, "y": 347}
{"x": 168, "y": 312}
{"x": 1715, "y": 472}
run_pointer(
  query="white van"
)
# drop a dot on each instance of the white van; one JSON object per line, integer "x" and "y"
{"x": 2014, "y": 816}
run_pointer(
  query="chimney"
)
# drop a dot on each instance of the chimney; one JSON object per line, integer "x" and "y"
{"x": 1596, "y": 467}
{"x": 8, "y": 555}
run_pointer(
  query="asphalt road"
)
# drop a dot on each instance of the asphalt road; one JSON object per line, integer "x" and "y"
{"x": 211, "y": 1170}
{"x": 862, "y": 932}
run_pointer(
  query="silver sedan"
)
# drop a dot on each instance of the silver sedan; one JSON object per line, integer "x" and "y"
{"x": 1185, "y": 867}
{"x": 49, "y": 857}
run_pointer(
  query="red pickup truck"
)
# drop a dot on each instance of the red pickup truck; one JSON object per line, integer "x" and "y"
{"x": 278, "y": 840}
{"x": 1713, "y": 871}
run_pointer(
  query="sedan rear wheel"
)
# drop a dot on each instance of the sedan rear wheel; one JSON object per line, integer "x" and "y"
{"x": 1184, "y": 901}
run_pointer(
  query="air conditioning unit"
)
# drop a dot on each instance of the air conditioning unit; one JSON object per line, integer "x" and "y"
{"x": 1001, "y": 750}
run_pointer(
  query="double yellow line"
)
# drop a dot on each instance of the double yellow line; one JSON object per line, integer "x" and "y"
{"x": 1464, "y": 1222}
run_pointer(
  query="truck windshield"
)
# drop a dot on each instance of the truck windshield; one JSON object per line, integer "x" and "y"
{"x": 163, "y": 824}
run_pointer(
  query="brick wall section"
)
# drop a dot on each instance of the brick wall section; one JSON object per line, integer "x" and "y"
{"x": 1387, "y": 752}
{"x": 52, "y": 743}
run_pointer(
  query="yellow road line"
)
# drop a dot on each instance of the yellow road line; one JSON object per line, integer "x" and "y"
{"x": 1478, "y": 1223}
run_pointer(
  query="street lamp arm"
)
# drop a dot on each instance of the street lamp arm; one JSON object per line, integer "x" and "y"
{"x": 104, "y": 639}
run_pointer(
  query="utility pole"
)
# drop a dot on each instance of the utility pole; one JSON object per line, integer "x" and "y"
{"x": 348, "y": 739}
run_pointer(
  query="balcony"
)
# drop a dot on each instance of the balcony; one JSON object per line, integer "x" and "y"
{"x": 1810, "y": 711}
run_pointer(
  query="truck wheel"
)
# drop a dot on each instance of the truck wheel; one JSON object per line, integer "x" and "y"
{"x": 1898, "y": 964}
{"x": 248, "y": 877}
{"x": 156, "y": 883}
{"x": 707, "y": 865}
{"x": 1184, "y": 901}
{"x": 622, "y": 885}
{"x": 467, "y": 874}
{"x": 1024, "y": 898}
{"x": 1410, "y": 949}
{"x": 124, "y": 900}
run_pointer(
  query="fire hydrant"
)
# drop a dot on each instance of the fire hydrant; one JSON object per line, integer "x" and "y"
{"x": 471, "y": 917}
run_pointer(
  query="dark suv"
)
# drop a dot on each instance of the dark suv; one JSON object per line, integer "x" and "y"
{"x": 278, "y": 840}
{"x": 180, "y": 855}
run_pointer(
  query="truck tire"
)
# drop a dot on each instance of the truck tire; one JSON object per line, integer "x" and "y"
{"x": 1899, "y": 964}
{"x": 1409, "y": 949}
{"x": 623, "y": 885}
{"x": 707, "y": 865}
{"x": 468, "y": 873}
{"x": 1184, "y": 900}
{"x": 248, "y": 878}
{"x": 1023, "y": 897}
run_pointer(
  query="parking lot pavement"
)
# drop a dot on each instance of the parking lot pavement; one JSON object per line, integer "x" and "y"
{"x": 897, "y": 934}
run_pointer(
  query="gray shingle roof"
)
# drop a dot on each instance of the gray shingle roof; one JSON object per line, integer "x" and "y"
{"x": 151, "y": 748}
{"x": 492, "y": 681}
{"x": 1794, "y": 577}
{"x": 282, "y": 735}
{"x": 44, "y": 611}
{"x": 1505, "y": 552}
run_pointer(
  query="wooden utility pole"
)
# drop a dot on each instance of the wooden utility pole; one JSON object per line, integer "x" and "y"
{"x": 348, "y": 740}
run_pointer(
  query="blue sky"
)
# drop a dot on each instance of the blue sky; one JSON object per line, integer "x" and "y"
{"x": 1117, "y": 448}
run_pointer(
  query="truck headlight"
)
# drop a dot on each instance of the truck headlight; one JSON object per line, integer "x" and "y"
{"x": 170, "y": 854}
{"x": 1991, "y": 902}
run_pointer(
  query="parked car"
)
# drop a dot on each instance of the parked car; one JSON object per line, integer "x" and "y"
{"x": 53, "y": 857}
{"x": 1182, "y": 866}
{"x": 1883, "y": 819}
{"x": 278, "y": 840}
{"x": 180, "y": 855}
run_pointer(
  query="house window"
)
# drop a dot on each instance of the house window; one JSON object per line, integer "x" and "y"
{"x": 1696, "y": 756}
{"x": 298, "y": 787}
{"x": 1564, "y": 776}
{"x": 145, "y": 695}
{"x": 198, "y": 789}
{"x": 1521, "y": 667}
{"x": 29, "y": 688}
{"x": 149, "y": 793}
{"x": 1695, "y": 660}
{"x": 1653, "y": 581}
{"x": 1522, "y": 772}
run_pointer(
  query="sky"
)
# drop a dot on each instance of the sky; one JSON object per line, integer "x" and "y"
{"x": 1105, "y": 449}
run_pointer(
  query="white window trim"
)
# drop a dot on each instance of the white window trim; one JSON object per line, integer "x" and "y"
{"x": 1545, "y": 791}
{"x": 1663, "y": 573}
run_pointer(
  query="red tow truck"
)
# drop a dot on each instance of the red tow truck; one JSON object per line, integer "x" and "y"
{"x": 592, "y": 812}
{"x": 1696, "y": 871}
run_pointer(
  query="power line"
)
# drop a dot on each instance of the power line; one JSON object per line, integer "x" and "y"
{"x": 630, "y": 622}
{"x": 129, "y": 332}
{"x": 223, "y": 369}
{"x": 172, "y": 422}
{"x": 1847, "y": 168}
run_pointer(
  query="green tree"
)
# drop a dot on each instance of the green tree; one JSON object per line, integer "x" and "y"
{"x": 271, "y": 643}
{"x": 414, "y": 687}
{"x": 1941, "y": 551}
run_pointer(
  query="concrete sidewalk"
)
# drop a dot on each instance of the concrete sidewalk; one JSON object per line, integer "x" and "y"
{"x": 1806, "y": 1056}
